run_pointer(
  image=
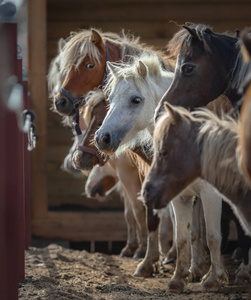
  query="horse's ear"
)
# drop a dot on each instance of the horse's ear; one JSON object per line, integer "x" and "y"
{"x": 95, "y": 37}
{"x": 172, "y": 111}
{"x": 246, "y": 45}
{"x": 111, "y": 68}
{"x": 142, "y": 70}
{"x": 61, "y": 44}
{"x": 191, "y": 31}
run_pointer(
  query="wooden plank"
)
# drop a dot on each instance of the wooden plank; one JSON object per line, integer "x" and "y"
{"x": 64, "y": 3}
{"x": 146, "y": 30}
{"x": 38, "y": 96}
{"x": 180, "y": 12}
{"x": 85, "y": 226}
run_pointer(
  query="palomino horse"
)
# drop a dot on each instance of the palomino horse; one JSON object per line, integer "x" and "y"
{"x": 134, "y": 91}
{"x": 83, "y": 63}
{"x": 87, "y": 156}
{"x": 208, "y": 64}
{"x": 245, "y": 125}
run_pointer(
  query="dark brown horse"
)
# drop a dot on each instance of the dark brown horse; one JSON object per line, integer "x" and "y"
{"x": 208, "y": 64}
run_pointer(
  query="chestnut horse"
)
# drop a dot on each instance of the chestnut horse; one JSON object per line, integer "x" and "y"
{"x": 83, "y": 64}
{"x": 208, "y": 64}
{"x": 245, "y": 125}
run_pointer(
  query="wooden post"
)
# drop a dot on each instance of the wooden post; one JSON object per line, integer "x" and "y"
{"x": 38, "y": 99}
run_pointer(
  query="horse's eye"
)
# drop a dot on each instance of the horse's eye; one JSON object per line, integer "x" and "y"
{"x": 90, "y": 66}
{"x": 187, "y": 69}
{"x": 164, "y": 153}
{"x": 136, "y": 100}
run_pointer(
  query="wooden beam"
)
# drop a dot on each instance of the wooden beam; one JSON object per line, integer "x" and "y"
{"x": 38, "y": 96}
{"x": 82, "y": 226}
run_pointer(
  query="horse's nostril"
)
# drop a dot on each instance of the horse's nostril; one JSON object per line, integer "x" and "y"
{"x": 106, "y": 139}
{"x": 63, "y": 102}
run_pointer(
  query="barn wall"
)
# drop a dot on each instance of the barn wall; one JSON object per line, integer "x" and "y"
{"x": 149, "y": 19}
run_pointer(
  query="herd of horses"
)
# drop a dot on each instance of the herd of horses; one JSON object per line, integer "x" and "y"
{"x": 171, "y": 131}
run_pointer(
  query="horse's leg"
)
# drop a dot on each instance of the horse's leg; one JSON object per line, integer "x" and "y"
{"x": 172, "y": 253}
{"x": 212, "y": 206}
{"x": 183, "y": 214}
{"x": 145, "y": 268}
{"x": 165, "y": 234}
{"x": 198, "y": 243}
{"x": 129, "y": 177}
{"x": 132, "y": 243}
{"x": 244, "y": 270}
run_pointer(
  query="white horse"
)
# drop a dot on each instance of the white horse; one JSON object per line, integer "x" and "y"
{"x": 134, "y": 92}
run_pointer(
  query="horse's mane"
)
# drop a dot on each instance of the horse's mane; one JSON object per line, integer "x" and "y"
{"x": 204, "y": 33}
{"x": 92, "y": 99}
{"x": 78, "y": 45}
{"x": 54, "y": 77}
{"x": 219, "y": 138}
{"x": 125, "y": 71}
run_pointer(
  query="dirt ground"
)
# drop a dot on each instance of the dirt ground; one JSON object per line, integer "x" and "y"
{"x": 58, "y": 273}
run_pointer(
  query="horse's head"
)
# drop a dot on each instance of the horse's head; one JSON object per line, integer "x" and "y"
{"x": 176, "y": 161}
{"x": 203, "y": 66}
{"x": 101, "y": 182}
{"x": 83, "y": 62}
{"x": 133, "y": 92}
{"x": 86, "y": 156}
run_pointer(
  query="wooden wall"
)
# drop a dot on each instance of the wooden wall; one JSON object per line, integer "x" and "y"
{"x": 149, "y": 19}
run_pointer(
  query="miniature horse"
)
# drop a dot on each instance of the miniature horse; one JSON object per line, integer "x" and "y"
{"x": 192, "y": 145}
{"x": 101, "y": 182}
{"x": 83, "y": 64}
{"x": 87, "y": 156}
{"x": 245, "y": 125}
{"x": 208, "y": 64}
{"x": 134, "y": 91}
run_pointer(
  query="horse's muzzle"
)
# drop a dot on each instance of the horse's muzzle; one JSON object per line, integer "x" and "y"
{"x": 103, "y": 141}
{"x": 64, "y": 106}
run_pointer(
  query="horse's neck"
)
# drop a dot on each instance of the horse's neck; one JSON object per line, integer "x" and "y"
{"x": 219, "y": 165}
{"x": 160, "y": 85}
{"x": 142, "y": 153}
{"x": 237, "y": 70}
{"x": 114, "y": 52}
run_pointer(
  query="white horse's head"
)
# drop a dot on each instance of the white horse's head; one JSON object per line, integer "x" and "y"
{"x": 134, "y": 91}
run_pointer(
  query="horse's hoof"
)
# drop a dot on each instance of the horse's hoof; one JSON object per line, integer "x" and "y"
{"x": 140, "y": 253}
{"x": 143, "y": 271}
{"x": 211, "y": 287}
{"x": 171, "y": 256}
{"x": 194, "y": 278}
{"x": 127, "y": 251}
{"x": 175, "y": 287}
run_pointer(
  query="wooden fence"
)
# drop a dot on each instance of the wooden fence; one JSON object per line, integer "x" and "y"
{"x": 15, "y": 165}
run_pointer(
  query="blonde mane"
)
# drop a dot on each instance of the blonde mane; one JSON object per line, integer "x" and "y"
{"x": 126, "y": 71}
{"x": 219, "y": 163}
{"x": 78, "y": 45}
{"x": 93, "y": 98}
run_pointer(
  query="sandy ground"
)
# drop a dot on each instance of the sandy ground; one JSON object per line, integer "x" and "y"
{"x": 54, "y": 272}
